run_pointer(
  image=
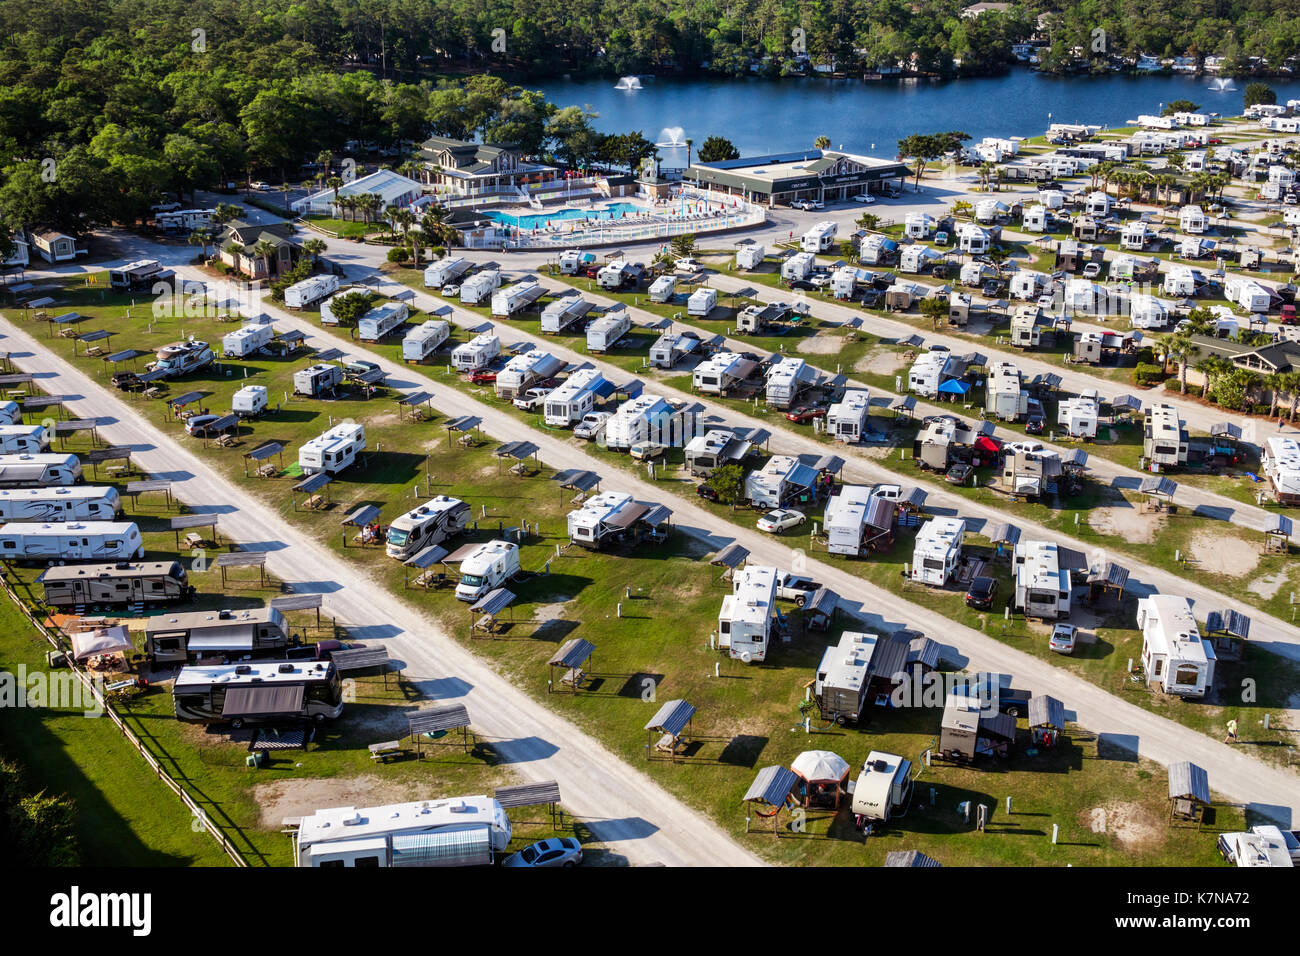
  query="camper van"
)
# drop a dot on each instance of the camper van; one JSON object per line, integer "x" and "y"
{"x": 381, "y": 321}
{"x": 446, "y": 270}
{"x": 425, "y": 339}
{"x": 644, "y": 418}
{"x": 798, "y": 266}
{"x": 856, "y": 519}
{"x": 937, "y": 551}
{"x": 39, "y": 471}
{"x": 477, "y": 353}
{"x": 1043, "y": 588}
{"x": 426, "y": 525}
{"x": 246, "y": 340}
{"x": 176, "y": 638}
{"x": 1174, "y": 655}
{"x": 819, "y": 238}
{"x": 671, "y": 347}
{"x": 141, "y": 583}
{"x": 1005, "y": 397}
{"x": 71, "y": 541}
{"x": 237, "y": 694}
{"x": 745, "y": 620}
{"x": 506, "y": 302}
{"x": 787, "y": 380}
{"x": 479, "y": 287}
{"x": 462, "y": 831}
{"x": 575, "y": 397}
{"x": 333, "y": 450}
{"x": 488, "y": 567}
{"x": 78, "y": 503}
{"x": 702, "y": 302}
{"x": 883, "y": 789}
{"x": 249, "y": 401}
{"x": 23, "y": 439}
{"x": 750, "y": 256}
{"x": 564, "y": 312}
{"x": 846, "y": 420}
{"x": 181, "y": 358}
{"x": 663, "y": 288}
{"x": 317, "y": 380}
{"x": 604, "y": 333}
{"x": 302, "y": 294}
{"x": 524, "y": 371}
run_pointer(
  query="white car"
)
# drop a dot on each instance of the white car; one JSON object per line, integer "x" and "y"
{"x": 533, "y": 399}
{"x": 782, "y": 519}
{"x": 1046, "y": 302}
{"x": 1092, "y": 270}
{"x": 865, "y": 198}
{"x": 687, "y": 265}
{"x": 820, "y": 280}
{"x": 451, "y": 291}
{"x": 1025, "y": 447}
{"x": 557, "y": 851}
{"x": 590, "y": 425}
{"x": 259, "y": 186}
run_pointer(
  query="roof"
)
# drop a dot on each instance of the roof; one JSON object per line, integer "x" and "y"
{"x": 824, "y": 601}
{"x": 820, "y": 766}
{"x": 362, "y": 516}
{"x": 732, "y": 556}
{"x": 1229, "y": 622}
{"x": 910, "y": 858}
{"x": 772, "y": 785}
{"x": 1001, "y": 532}
{"x": 672, "y": 717}
{"x": 1160, "y": 486}
{"x": 574, "y": 653}
{"x": 494, "y": 602}
{"x": 1046, "y": 711}
{"x": 1186, "y": 779}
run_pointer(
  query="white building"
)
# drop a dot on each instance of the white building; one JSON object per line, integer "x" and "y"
{"x": 937, "y": 551}
{"x": 393, "y": 188}
{"x": 1174, "y": 655}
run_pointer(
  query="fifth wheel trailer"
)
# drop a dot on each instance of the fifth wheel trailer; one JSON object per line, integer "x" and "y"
{"x": 506, "y": 302}
{"x": 39, "y": 471}
{"x": 425, "y": 339}
{"x": 563, "y": 312}
{"x": 302, "y": 294}
{"x": 236, "y": 694}
{"x": 479, "y": 286}
{"x": 79, "y": 503}
{"x": 23, "y": 439}
{"x": 745, "y": 620}
{"x": 175, "y": 638}
{"x": 427, "y": 524}
{"x": 477, "y": 353}
{"x": 122, "y": 582}
{"x": 71, "y": 541}
{"x": 381, "y": 320}
{"x": 333, "y": 450}
{"x": 438, "y": 274}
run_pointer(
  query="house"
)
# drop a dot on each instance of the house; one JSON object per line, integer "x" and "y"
{"x": 1192, "y": 219}
{"x": 1281, "y": 464}
{"x": 1164, "y": 442}
{"x": 1043, "y": 588}
{"x": 781, "y": 178}
{"x": 937, "y": 551}
{"x": 455, "y": 168}
{"x": 55, "y": 246}
{"x": 238, "y": 240}
{"x": 858, "y": 521}
{"x": 1174, "y": 655}
{"x": 393, "y": 188}
{"x": 20, "y": 258}
{"x": 975, "y": 9}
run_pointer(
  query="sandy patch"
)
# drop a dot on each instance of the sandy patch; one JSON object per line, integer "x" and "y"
{"x": 1224, "y": 554}
{"x": 548, "y": 612}
{"x": 1127, "y": 522}
{"x": 1132, "y": 824}
{"x": 881, "y": 363}
{"x": 1269, "y": 584}
{"x": 303, "y": 796}
{"x": 820, "y": 344}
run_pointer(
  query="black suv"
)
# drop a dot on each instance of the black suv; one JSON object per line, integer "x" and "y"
{"x": 981, "y": 593}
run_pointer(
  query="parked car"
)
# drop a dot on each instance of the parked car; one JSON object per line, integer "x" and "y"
{"x": 803, "y": 284}
{"x": 1092, "y": 270}
{"x": 805, "y": 413}
{"x": 941, "y": 238}
{"x": 865, "y": 198}
{"x": 646, "y": 450}
{"x": 1063, "y": 638}
{"x": 820, "y": 280}
{"x": 804, "y": 204}
{"x": 981, "y": 593}
{"x": 707, "y": 492}
{"x": 590, "y": 425}
{"x": 958, "y": 474}
{"x": 451, "y": 291}
{"x": 782, "y": 519}
{"x": 1046, "y": 302}
{"x": 992, "y": 288}
{"x": 197, "y": 425}
{"x": 482, "y": 376}
{"x": 557, "y": 851}
{"x": 1025, "y": 447}
{"x": 360, "y": 367}
{"x": 687, "y": 265}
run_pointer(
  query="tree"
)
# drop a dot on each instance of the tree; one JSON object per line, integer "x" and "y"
{"x": 263, "y": 249}
{"x": 436, "y": 226}
{"x": 716, "y": 149}
{"x": 728, "y": 482}
{"x": 1258, "y": 93}
{"x": 923, "y": 147}
{"x": 933, "y": 308}
{"x": 868, "y": 220}
{"x": 350, "y": 307}
{"x": 683, "y": 245}
{"x": 1179, "y": 347}
{"x": 314, "y": 247}
{"x": 201, "y": 237}
{"x": 822, "y": 142}
{"x": 1180, "y": 106}
{"x": 226, "y": 212}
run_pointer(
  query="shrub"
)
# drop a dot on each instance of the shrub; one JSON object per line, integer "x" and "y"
{"x": 399, "y": 254}
{"x": 439, "y": 251}
{"x": 1147, "y": 373}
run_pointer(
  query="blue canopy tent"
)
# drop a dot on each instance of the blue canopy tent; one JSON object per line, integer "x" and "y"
{"x": 954, "y": 386}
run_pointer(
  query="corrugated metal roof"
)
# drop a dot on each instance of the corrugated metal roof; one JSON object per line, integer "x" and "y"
{"x": 1078, "y": 458}
{"x": 832, "y": 463}
{"x": 879, "y": 513}
{"x": 313, "y": 483}
{"x": 434, "y": 719}
{"x": 1277, "y": 524}
{"x": 494, "y": 602}
{"x": 1002, "y": 726}
{"x": 1110, "y": 574}
{"x": 1228, "y": 622}
{"x": 916, "y": 497}
{"x": 1002, "y": 532}
{"x": 1186, "y": 779}
{"x": 1126, "y": 401}
{"x": 262, "y": 452}
{"x": 1068, "y": 559}
{"x": 519, "y": 450}
{"x": 464, "y": 423}
{"x": 573, "y": 653}
{"x": 125, "y": 355}
{"x": 824, "y": 601}
{"x": 672, "y": 717}
{"x": 1228, "y": 429}
{"x": 922, "y": 650}
{"x": 732, "y": 556}
{"x": 1158, "y": 485}
{"x": 427, "y": 557}
{"x": 910, "y": 858}
{"x": 415, "y": 398}
{"x": 297, "y": 602}
{"x": 205, "y": 520}
{"x": 657, "y": 515}
{"x": 363, "y": 515}
{"x": 577, "y": 479}
{"x": 904, "y": 404}
{"x": 773, "y": 786}
{"x": 1046, "y": 711}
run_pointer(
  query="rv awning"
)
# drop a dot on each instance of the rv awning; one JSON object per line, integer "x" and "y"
{"x": 672, "y": 717}
{"x": 916, "y": 497}
{"x": 313, "y": 484}
{"x": 1000, "y": 726}
{"x": 222, "y": 641}
{"x": 1229, "y": 622}
{"x": 250, "y": 701}
{"x": 732, "y": 556}
{"x": 472, "y": 847}
{"x": 107, "y": 640}
{"x": 802, "y": 476}
{"x": 772, "y": 786}
{"x": 427, "y": 557}
{"x": 1186, "y": 779}
{"x": 1046, "y": 711}
{"x": 879, "y": 513}
{"x": 362, "y": 516}
{"x": 461, "y": 553}
{"x": 626, "y": 517}
{"x": 152, "y": 376}
{"x": 574, "y": 653}
{"x": 494, "y": 602}
{"x": 604, "y": 388}
{"x": 954, "y": 386}
{"x": 1078, "y": 458}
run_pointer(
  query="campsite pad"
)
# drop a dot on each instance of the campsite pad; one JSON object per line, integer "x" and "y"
{"x": 294, "y": 470}
{"x": 269, "y": 738}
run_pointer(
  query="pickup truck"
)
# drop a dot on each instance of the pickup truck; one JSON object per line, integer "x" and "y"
{"x": 795, "y": 587}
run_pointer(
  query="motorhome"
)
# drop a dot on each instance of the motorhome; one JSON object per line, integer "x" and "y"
{"x": 1005, "y": 396}
{"x": 462, "y": 831}
{"x": 1248, "y": 294}
{"x": 609, "y": 518}
{"x": 614, "y": 276}
{"x": 750, "y": 256}
{"x": 1174, "y": 655}
{"x": 489, "y": 566}
{"x": 937, "y": 551}
{"x": 247, "y": 340}
{"x": 745, "y": 620}
{"x": 1164, "y": 441}
{"x": 249, "y": 401}
{"x": 256, "y": 692}
{"x": 333, "y": 450}
{"x": 857, "y": 521}
{"x": 561, "y": 313}
{"x": 671, "y": 347}
{"x": 181, "y": 358}
{"x": 1281, "y": 464}
{"x": 39, "y": 471}
{"x": 425, "y": 339}
{"x": 176, "y": 638}
{"x": 702, "y": 302}
{"x": 1264, "y": 847}
{"x": 575, "y": 397}
{"x": 820, "y": 237}
{"x": 720, "y": 373}
{"x": 382, "y": 320}
{"x": 327, "y": 316}
{"x": 316, "y": 380}
{"x": 782, "y": 479}
{"x": 23, "y": 439}
{"x": 883, "y": 789}
{"x": 303, "y": 294}
{"x": 479, "y": 286}
{"x": 140, "y": 583}
{"x": 1043, "y": 589}
{"x": 643, "y": 418}
{"x": 76, "y": 503}
{"x": 798, "y": 266}
{"x": 506, "y": 302}
{"x": 1026, "y": 285}
{"x": 478, "y": 352}
{"x": 445, "y": 270}
{"x": 1192, "y": 219}
{"x": 71, "y": 541}
{"x": 524, "y": 371}
{"x": 787, "y": 380}
{"x": 137, "y": 275}
{"x": 846, "y": 420}
{"x": 928, "y": 373}
{"x": 425, "y": 525}
{"x": 714, "y": 449}
{"x": 1078, "y": 416}
{"x": 605, "y": 332}
{"x": 663, "y": 289}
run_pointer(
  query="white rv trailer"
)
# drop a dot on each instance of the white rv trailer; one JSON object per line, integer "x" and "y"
{"x": 605, "y": 518}
{"x": 1097, "y": 204}
{"x": 883, "y": 789}
{"x": 185, "y": 219}
{"x": 1078, "y": 415}
{"x": 937, "y": 551}
{"x": 844, "y": 282}
{"x": 846, "y": 420}
{"x": 745, "y": 620}
{"x": 853, "y": 517}
{"x": 78, "y": 503}
{"x": 257, "y": 691}
{"x": 715, "y": 449}
{"x": 927, "y": 373}
{"x": 1135, "y": 235}
{"x": 333, "y": 450}
{"x": 702, "y": 302}
{"x": 247, "y": 340}
{"x": 663, "y": 288}
{"x": 671, "y": 347}
{"x": 174, "y": 638}
{"x": 976, "y": 273}
{"x": 119, "y": 582}
{"x": 571, "y": 260}
{"x": 136, "y": 275}
{"x": 461, "y": 831}
{"x": 721, "y": 372}
{"x": 1083, "y": 296}
{"x": 1036, "y": 218}
{"x": 604, "y": 333}
{"x": 23, "y": 439}
{"x": 1174, "y": 655}
{"x": 1281, "y": 464}
{"x": 249, "y": 401}
{"x": 614, "y": 275}
{"x": 787, "y": 380}
{"x": 425, "y": 339}
{"x": 445, "y": 270}
{"x": 488, "y": 567}
{"x": 1164, "y": 439}
{"x": 302, "y": 294}
{"x": 916, "y": 257}
{"x": 562, "y": 313}
{"x": 1026, "y": 285}
{"x": 381, "y": 320}
{"x": 477, "y": 353}
{"x": 644, "y": 418}
{"x": 506, "y": 302}
{"x": 820, "y": 237}
{"x": 1043, "y": 587}
{"x": 524, "y": 371}
{"x": 1180, "y": 282}
{"x": 798, "y": 266}
{"x": 1248, "y": 294}
{"x": 1004, "y": 395}
{"x": 575, "y": 397}
{"x": 39, "y": 471}
{"x": 479, "y": 287}
{"x": 425, "y": 525}
{"x": 750, "y": 256}
{"x": 1192, "y": 219}
{"x": 918, "y": 225}
{"x": 11, "y": 413}
{"x": 71, "y": 541}
{"x": 317, "y": 379}
{"x": 1147, "y": 312}
{"x": 781, "y": 478}
{"x": 972, "y": 239}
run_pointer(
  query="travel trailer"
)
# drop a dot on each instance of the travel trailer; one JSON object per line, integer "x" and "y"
{"x": 317, "y": 380}
{"x": 1147, "y": 312}
{"x": 798, "y": 266}
{"x": 572, "y": 261}
{"x": 781, "y": 479}
{"x": 425, "y": 339}
{"x": 1180, "y": 282}
{"x": 11, "y": 413}
{"x": 857, "y": 520}
{"x": 928, "y": 372}
{"x": 1196, "y": 247}
{"x": 175, "y": 638}
{"x": 425, "y": 525}
{"x": 671, "y": 347}
{"x": 970, "y": 727}
{"x": 916, "y": 258}
{"x": 714, "y": 449}
{"x": 1043, "y": 588}
{"x": 844, "y": 282}
{"x": 973, "y": 240}
{"x": 137, "y": 275}
{"x": 333, "y": 450}
{"x": 663, "y": 288}
{"x": 575, "y": 397}
{"x": 39, "y": 471}
{"x": 745, "y": 620}
{"x": 1248, "y": 294}
{"x": 237, "y": 694}
{"x": 1281, "y": 464}
{"x": 1078, "y": 416}
{"x": 71, "y": 541}
{"x": 846, "y": 420}
{"x": 249, "y": 401}
{"x": 883, "y": 789}
{"x": 564, "y": 312}
{"x": 976, "y": 274}
{"x": 937, "y": 551}
{"x": 187, "y": 220}
{"x": 750, "y": 256}
{"x": 302, "y": 294}
{"x": 918, "y": 225}
{"x": 381, "y": 321}
{"x": 487, "y": 567}
{"x": 506, "y": 302}
{"x": 477, "y": 353}
{"x": 1192, "y": 219}
{"x": 462, "y": 831}
{"x": 181, "y": 358}
{"x": 76, "y": 503}
{"x": 479, "y": 286}
{"x": 1174, "y": 655}
{"x": 445, "y": 270}
{"x": 702, "y": 302}
{"x": 1164, "y": 440}
{"x": 607, "y": 519}
{"x": 1085, "y": 297}
{"x": 1026, "y": 285}
{"x": 614, "y": 276}
{"x": 524, "y": 371}
{"x": 1037, "y": 218}
{"x": 246, "y": 340}
{"x": 327, "y": 316}
{"x": 1264, "y": 846}
{"x": 605, "y": 332}
{"x": 843, "y": 678}
{"x": 141, "y": 583}
{"x": 23, "y": 439}
{"x": 787, "y": 380}
{"x": 757, "y": 319}
{"x": 721, "y": 373}
{"x": 644, "y": 418}
{"x": 876, "y": 249}
{"x": 819, "y": 238}
{"x": 1005, "y": 396}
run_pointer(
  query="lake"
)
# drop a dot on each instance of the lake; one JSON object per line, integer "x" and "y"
{"x": 766, "y": 116}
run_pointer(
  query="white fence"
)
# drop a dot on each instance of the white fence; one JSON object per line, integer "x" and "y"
{"x": 600, "y": 232}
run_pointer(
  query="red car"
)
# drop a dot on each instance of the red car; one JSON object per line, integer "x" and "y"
{"x": 804, "y": 414}
{"x": 482, "y": 376}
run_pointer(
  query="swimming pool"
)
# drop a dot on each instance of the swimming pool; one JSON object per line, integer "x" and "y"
{"x": 541, "y": 220}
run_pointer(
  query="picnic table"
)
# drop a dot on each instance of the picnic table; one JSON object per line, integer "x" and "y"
{"x": 385, "y": 750}
{"x": 574, "y": 678}
{"x": 315, "y": 501}
{"x": 487, "y": 623}
{"x": 668, "y": 744}
{"x": 268, "y": 471}
{"x": 154, "y": 391}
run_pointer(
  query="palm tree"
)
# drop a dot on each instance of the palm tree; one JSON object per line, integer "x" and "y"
{"x": 284, "y": 188}
{"x": 263, "y": 249}
{"x": 822, "y": 142}
{"x": 868, "y": 220}
{"x": 1179, "y": 347}
{"x": 690, "y": 142}
{"x": 1289, "y": 382}
{"x": 335, "y": 183}
{"x": 436, "y": 225}
{"x": 201, "y": 237}
{"x": 1213, "y": 367}
{"x": 325, "y": 163}
{"x": 986, "y": 171}
{"x": 314, "y": 247}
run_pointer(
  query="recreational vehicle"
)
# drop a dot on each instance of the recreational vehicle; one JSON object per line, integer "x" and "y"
{"x": 1281, "y": 464}
{"x": 425, "y": 339}
{"x": 381, "y": 321}
{"x": 247, "y": 340}
{"x": 506, "y": 302}
{"x": 609, "y": 518}
{"x": 249, "y": 401}
{"x": 663, "y": 288}
{"x": 486, "y": 568}
{"x": 333, "y": 450}
{"x": 1026, "y": 285}
{"x": 644, "y": 418}
{"x": 973, "y": 240}
{"x": 857, "y": 520}
{"x": 970, "y": 727}
{"x": 750, "y": 256}
{"x": 1147, "y": 312}
{"x": 844, "y": 282}
{"x": 23, "y": 439}
{"x": 139, "y": 583}
{"x": 445, "y": 270}
{"x": 317, "y": 380}
{"x": 819, "y": 238}
{"x": 787, "y": 380}
{"x": 928, "y": 372}
{"x": 426, "y": 525}
{"x": 1042, "y": 586}
{"x": 918, "y": 225}
{"x": 1174, "y": 655}
{"x": 575, "y": 397}
{"x": 1037, "y": 219}
{"x": 798, "y": 266}
{"x": 781, "y": 479}
{"x": 605, "y": 332}
{"x": 757, "y": 319}
{"x": 1097, "y": 204}
{"x": 671, "y": 347}
{"x": 563, "y": 312}
{"x": 11, "y": 413}
{"x": 1248, "y": 294}
{"x": 1078, "y": 416}
{"x": 614, "y": 276}
{"x": 137, "y": 275}
{"x": 572, "y": 261}
{"x": 883, "y": 789}
{"x": 745, "y": 620}
{"x": 846, "y": 420}
{"x": 39, "y": 471}
{"x": 524, "y": 371}
{"x": 1164, "y": 441}
{"x": 1135, "y": 235}
{"x": 975, "y": 274}
{"x": 1004, "y": 396}
{"x": 1192, "y": 219}
{"x": 327, "y": 316}
{"x": 71, "y": 541}
{"x": 479, "y": 287}
{"x": 937, "y": 551}
{"x": 916, "y": 258}
{"x": 78, "y": 503}
{"x": 1180, "y": 282}
{"x": 478, "y": 352}
{"x": 714, "y": 449}
{"x": 181, "y": 358}
{"x": 844, "y": 677}
{"x": 175, "y": 638}
{"x": 702, "y": 302}
{"x": 302, "y": 294}
{"x": 237, "y": 694}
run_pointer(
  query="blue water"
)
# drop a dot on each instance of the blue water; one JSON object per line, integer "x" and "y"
{"x": 541, "y": 220}
{"x": 766, "y": 116}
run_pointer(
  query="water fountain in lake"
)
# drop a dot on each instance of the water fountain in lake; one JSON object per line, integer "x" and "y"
{"x": 1222, "y": 84}
{"x": 628, "y": 83}
{"x": 672, "y": 148}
